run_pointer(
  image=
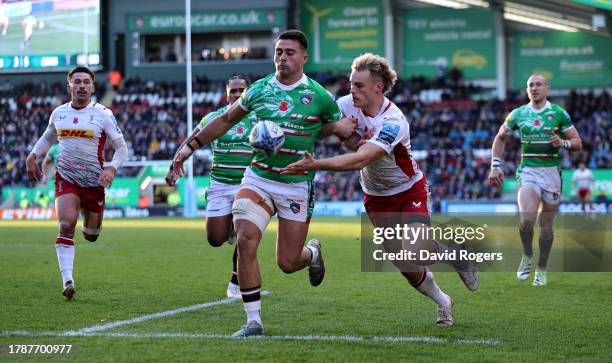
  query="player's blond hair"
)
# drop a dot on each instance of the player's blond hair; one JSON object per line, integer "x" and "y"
{"x": 378, "y": 67}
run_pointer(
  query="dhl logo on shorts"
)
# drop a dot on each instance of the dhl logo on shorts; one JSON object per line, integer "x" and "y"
{"x": 75, "y": 133}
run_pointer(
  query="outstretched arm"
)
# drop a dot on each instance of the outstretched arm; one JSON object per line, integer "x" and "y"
{"x": 365, "y": 155}
{"x": 212, "y": 131}
{"x": 171, "y": 177}
{"x": 344, "y": 129}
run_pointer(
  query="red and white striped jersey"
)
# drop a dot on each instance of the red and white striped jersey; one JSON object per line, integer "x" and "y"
{"x": 81, "y": 134}
{"x": 397, "y": 171}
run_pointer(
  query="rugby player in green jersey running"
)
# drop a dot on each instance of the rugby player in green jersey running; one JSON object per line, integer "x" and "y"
{"x": 305, "y": 111}
{"x": 232, "y": 154}
{"x": 544, "y": 128}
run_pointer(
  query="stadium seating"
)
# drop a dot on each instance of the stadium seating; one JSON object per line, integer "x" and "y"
{"x": 452, "y": 128}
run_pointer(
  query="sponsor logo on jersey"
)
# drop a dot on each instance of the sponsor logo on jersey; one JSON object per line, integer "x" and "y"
{"x": 550, "y": 117}
{"x": 416, "y": 204}
{"x": 75, "y": 133}
{"x": 305, "y": 100}
{"x": 388, "y": 133}
{"x": 62, "y": 117}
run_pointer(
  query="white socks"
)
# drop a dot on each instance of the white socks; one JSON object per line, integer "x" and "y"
{"x": 65, "y": 259}
{"x": 429, "y": 288}
{"x": 314, "y": 254}
{"x": 253, "y": 310}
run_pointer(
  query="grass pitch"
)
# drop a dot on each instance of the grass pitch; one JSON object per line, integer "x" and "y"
{"x": 141, "y": 267}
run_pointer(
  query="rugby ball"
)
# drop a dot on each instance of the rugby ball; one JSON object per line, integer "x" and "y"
{"x": 267, "y": 137}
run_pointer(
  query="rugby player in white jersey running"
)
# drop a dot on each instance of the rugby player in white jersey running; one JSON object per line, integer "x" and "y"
{"x": 81, "y": 127}
{"x": 394, "y": 187}
{"x": 582, "y": 182}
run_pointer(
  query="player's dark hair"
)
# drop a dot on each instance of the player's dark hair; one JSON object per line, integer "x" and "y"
{"x": 240, "y": 77}
{"x": 81, "y": 69}
{"x": 294, "y": 34}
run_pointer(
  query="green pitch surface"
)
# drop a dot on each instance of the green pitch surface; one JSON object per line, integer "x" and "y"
{"x": 142, "y": 267}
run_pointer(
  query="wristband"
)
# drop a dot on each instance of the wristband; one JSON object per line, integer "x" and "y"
{"x": 496, "y": 163}
{"x": 194, "y": 147}
{"x": 566, "y": 144}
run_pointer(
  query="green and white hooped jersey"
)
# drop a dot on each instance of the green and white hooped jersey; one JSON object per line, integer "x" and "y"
{"x": 535, "y": 129}
{"x": 300, "y": 109}
{"x": 232, "y": 153}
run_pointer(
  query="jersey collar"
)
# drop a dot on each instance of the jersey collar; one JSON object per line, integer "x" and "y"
{"x": 385, "y": 106}
{"x": 284, "y": 87}
{"x": 80, "y": 108}
{"x": 546, "y": 106}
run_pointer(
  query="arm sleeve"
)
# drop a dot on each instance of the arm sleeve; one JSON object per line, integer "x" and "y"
{"x": 331, "y": 111}
{"x": 247, "y": 98}
{"x": 110, "y": 126}
{"x": 210, "y": 116}
{"x": 511, "y": 121}
{"x": 389, "y": 134}
{"x": 116, "y": 136}
{"x": 48, "y": 138}
{"x": 566, "y": 121}
{"x": 121, "y": 153}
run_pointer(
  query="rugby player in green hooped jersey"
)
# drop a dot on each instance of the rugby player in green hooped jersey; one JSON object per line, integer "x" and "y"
{"x": 305, "y": 111}
{"x": 232, "y": 154}
{"x": 544, "y": 129}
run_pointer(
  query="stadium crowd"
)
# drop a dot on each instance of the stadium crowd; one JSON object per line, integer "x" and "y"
{"x": 452, "y": 127}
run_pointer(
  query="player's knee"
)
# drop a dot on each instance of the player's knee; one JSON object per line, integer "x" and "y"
{"x": 91, "y": 234}
{"x": 527, "y": 223}
{"x": 546, "y": 233}
{"x": 67, "y": 226}
{"x": 287, "y": 265}
{"x": 245, "y": 208}
{"x": 247, "y": 249}
{"x": 216, "y": 239}
{"x": 215, "y": 242}
{"x": 90, "y": 237}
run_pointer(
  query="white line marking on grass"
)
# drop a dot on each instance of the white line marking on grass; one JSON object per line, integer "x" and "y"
{"x": 346, "y": 338}
{"x": 162, "y": 314}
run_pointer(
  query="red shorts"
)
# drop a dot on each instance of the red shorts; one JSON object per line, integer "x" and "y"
{"x": 583, "y": 193}
{"x": 92, "y": 199}
{"x": 413, "y": 203}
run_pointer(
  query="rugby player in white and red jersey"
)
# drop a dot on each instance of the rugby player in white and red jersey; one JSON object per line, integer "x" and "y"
{"x": 582, "y": 179}
{"x": 81, "y": 127}
{"x": 390, "y": 178}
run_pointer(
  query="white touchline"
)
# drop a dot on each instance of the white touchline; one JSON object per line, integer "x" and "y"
{"x": 162, "y": 314}
{"x": 347, "y": 338}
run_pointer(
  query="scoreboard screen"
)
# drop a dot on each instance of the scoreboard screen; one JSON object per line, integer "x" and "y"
{"x": 49, "y": 35}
